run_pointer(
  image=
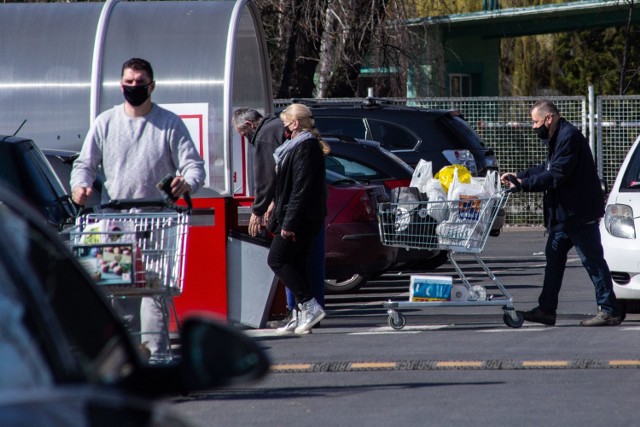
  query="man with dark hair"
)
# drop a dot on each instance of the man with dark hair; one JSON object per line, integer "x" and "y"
{"x": 138, "y": 143}
{"x": 573, "y": 207}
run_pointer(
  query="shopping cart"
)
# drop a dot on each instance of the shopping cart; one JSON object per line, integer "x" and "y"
{"x": 136, "y": 249}
{"x": 460, "y": 227}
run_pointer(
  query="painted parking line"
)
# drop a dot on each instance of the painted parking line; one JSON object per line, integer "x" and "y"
{"x": 437, "y": 365}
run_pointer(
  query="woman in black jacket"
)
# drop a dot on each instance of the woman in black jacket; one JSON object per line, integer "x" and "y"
{"x": 299, "y": 212}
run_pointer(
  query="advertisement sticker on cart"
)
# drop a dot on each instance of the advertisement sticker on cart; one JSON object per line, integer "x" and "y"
{"x": 106, "y": 249}
{"x": 430, "y": 288}
{"x": 108, "y": 264}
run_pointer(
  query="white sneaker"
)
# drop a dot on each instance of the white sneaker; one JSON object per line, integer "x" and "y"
{"x": 310, "y": 313}
{"x": 290, "y": 327}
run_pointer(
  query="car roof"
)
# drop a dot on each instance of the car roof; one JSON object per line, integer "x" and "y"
{"x": 370, "y": 104}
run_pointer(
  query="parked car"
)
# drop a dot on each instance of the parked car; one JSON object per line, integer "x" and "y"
{"x": 369, "y": 161}
{"x": 67, "y": 360}
{"x": 62, "y": 163}
{"x": 353, "y": 251}
{"x": 440, "y": 136}
{"x": 620, "y": 230}
{"x": 24, "y": 169}
{"x": 366, "y": 161}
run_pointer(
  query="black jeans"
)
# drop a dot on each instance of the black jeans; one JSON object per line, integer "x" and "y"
{"x": 289, "y": 260}
{"x": 586, "y": 239}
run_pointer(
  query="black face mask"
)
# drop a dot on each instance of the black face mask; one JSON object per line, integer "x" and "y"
{"x": 542, "y": 132}
{"x": 136, "y": 95}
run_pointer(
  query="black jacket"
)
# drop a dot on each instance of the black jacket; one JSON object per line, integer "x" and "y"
{"x": 268, "y": 136}
{"x": 301, "y": 191}
{"x": 569, "y": 179}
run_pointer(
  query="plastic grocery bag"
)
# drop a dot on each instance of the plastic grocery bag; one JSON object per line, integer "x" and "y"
{"x": 435, "y": 194}
{"x": 422, "y": 174}
{"x": 474, "y": 187}
{"x": 470, "y": 217}
{"x": 446, "y": 175}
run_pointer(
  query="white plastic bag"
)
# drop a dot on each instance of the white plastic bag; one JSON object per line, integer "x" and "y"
{"x": 435, "y": 194}
{"x": 422, "y": 174}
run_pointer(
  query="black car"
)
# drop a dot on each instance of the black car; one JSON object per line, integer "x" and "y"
{"x": 24, "y": 169}
{"x": 366, "y": 161}
{"x": 66, "y": 358}
{"x": 442, "y": 137}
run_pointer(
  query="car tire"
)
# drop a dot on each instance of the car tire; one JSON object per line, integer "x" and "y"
{"x": 351, "y": 284}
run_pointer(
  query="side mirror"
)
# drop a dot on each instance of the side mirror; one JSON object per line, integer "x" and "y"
{"x": 215, "y": 355}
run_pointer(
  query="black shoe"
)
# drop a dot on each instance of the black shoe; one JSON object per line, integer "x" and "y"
{"x": 275, "y": 324}
{"x": 538, "y": 316}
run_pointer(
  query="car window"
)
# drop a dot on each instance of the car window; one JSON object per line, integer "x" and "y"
{"x": 27, "y": 171}
{"x": 81, "y": 314}
{"x": 352, "y": 126}
{"x": 23, "y": 366}
{"x": 391, "y": 136}
{"x": 351, "y": 169}
{"x": 631, "y": 178}
{"x": 463, "y": 131}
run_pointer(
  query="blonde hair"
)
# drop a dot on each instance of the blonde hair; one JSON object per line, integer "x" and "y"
{"x": 303, "y": 115}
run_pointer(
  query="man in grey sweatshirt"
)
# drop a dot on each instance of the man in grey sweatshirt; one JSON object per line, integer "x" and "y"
{"x": 138, "y": 143}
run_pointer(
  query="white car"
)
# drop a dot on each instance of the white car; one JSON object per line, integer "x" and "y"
{"x": 620, "y": 230}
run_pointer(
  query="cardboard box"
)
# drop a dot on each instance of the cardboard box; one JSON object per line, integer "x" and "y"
{"x": 430, "y": 288}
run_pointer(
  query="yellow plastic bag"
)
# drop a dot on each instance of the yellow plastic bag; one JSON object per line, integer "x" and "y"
{"x": 445, "y": 176}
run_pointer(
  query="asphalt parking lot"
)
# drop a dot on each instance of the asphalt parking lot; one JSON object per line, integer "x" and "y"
{"x": 449, "y": 365}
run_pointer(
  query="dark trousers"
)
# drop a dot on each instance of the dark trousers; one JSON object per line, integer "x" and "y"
{"x": 289, "y": 260}
{"x": 586, "y": 239}
{"x": 316, "y": 271}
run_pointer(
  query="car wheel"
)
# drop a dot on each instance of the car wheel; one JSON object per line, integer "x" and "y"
{"x": 350, "y": 284}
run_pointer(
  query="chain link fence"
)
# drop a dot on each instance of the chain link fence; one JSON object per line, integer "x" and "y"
{"x": 505, "y": 126}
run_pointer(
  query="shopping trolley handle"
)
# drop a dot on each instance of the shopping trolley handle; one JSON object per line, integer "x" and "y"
{"x": 128, "y": 204}
{"x": 516, "y": 184}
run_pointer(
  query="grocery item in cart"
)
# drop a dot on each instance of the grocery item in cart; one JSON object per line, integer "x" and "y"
{"x": 430, "y": 288}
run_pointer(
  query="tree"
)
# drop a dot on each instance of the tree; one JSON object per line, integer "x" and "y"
{"x": 334, "y": 40}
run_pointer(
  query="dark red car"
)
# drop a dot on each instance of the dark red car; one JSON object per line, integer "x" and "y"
{"x": 352, "y": 246}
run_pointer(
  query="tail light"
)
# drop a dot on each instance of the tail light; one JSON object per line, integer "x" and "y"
{"x": 361, "y": 208}
{"x": 394, "y": 183}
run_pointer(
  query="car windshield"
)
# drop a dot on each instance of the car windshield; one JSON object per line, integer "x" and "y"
{"x": 351, "y": 169}
{"x": 27, "y": 171}
{"x": 631, "y": 179}
{"x": 55, "y": 309}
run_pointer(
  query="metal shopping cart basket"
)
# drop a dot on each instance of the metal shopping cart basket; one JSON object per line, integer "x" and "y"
{"x": 135, "y": 249}
{"x": 457, "y": 226}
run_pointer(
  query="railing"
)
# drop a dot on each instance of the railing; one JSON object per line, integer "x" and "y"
{"x": 505, "y": 126}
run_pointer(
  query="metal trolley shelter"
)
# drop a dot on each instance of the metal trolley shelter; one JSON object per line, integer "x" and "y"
{"x": 209, "y": 57}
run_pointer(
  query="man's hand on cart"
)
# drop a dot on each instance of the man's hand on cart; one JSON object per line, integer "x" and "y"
{"x": 179, "y": 187}
{"x": 80, "y": 195}
{"x": 512, "y": 180}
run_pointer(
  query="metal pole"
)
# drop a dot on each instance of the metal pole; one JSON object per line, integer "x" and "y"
{"x": 592, "y": 136}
